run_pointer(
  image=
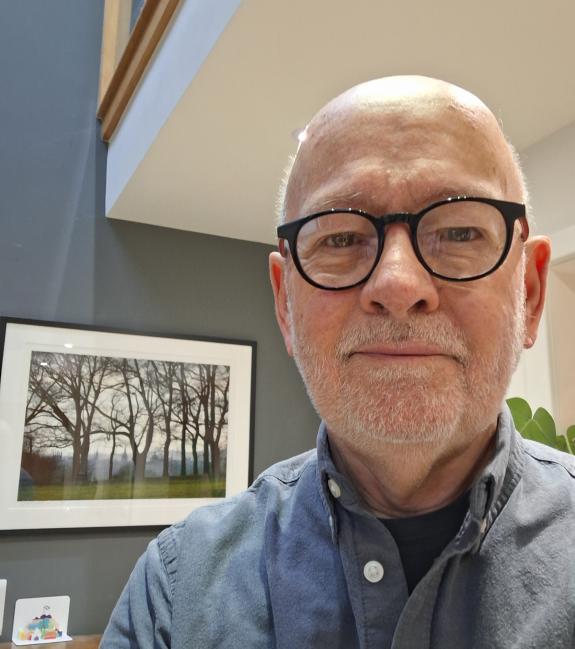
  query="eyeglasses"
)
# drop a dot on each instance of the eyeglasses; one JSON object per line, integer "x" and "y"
{"x": 461, "y": 238}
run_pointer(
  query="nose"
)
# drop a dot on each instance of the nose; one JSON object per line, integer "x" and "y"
{"x": 399, "y": 285}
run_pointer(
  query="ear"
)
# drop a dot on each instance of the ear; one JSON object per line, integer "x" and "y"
{"x": 278, "y": 278}
{"x": 538, "y": 254}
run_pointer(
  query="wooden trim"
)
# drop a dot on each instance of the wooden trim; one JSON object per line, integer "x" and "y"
{"x": 148, "y": 30}
{"x": 115, "y": 35}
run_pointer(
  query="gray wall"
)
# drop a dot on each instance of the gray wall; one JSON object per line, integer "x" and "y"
{"x": 60, "y": 259}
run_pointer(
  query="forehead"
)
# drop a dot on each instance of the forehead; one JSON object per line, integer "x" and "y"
{"x": 382, "y": 157}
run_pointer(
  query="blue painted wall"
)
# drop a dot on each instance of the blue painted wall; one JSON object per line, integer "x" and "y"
{"x": 60, "y": 259}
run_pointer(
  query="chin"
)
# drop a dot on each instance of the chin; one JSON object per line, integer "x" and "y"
{"x": 394, "y": 412}
{"x": 400, "y": 408}
{"x": 400, "y": 424}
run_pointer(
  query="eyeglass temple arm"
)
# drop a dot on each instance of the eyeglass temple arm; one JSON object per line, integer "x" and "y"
{"x": 283, "y": 247}
{"x": 524, "y": 227}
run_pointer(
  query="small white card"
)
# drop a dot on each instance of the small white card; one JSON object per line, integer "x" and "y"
{"x": 41, "y": 620}
{"x": 2, "y": 601}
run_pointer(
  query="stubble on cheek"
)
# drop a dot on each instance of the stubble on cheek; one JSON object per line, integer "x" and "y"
{"x": 430, "y": 402}
{"x": 394, "y": 402}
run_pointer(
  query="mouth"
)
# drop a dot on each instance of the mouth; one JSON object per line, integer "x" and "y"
{"x": 401, "y": 352}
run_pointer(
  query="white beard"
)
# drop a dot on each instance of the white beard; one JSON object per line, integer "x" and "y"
{"x": 446, "y": 403}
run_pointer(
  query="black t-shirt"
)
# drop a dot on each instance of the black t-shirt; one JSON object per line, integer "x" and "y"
{"x": 421, "y": 539}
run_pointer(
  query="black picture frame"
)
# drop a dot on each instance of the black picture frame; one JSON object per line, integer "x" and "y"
{"x": 104, "y": 427}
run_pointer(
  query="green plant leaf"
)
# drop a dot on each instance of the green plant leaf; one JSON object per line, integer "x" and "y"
{"x": 561, "y": 443}
{"x": 545, "y": 420}
{"x": 521, "y": 412}
{"x": 570, "y": 434}
{"x": 532, "y": 430}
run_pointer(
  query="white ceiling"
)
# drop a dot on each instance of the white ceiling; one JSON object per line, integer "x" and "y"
{"x": 215, "y": 165}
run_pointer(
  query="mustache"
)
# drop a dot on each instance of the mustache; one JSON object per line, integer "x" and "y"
{"x": 433, "y": 330}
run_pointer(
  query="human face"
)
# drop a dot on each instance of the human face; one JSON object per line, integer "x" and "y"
{"x": 403, "y": 358}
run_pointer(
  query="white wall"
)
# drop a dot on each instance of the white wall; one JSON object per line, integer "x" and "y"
{"x": 540, "y": 377}
{"x": 550, "y": 169}
{"x": 561, "y": 342}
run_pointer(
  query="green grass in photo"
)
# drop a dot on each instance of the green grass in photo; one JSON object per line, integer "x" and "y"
{"x": 192, "y": 487}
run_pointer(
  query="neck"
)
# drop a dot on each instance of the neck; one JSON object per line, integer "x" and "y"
{"x": 398, "y": 480}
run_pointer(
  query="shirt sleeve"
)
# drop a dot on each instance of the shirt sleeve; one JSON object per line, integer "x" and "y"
{"x": 142, "y": 617}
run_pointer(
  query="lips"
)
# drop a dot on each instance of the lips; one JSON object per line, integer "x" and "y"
{"x": 385, "y": 339}
{"x": 401, "y": 349}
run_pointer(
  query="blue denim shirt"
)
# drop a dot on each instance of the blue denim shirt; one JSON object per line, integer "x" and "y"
{"x": 283, "y": 565}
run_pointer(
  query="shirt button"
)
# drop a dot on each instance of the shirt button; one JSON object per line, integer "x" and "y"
{"x": 333, "y": 487}
{"x": 373, "y": 571}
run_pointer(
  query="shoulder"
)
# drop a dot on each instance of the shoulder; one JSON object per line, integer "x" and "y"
{"x": 191, "y": 558}
{"x": 550, "y": 460}
{"x": 142, "y": 615}
{"x": 288, "y": 471}
{"x": 548, "y": 479}
{"x": 240, "y": 515}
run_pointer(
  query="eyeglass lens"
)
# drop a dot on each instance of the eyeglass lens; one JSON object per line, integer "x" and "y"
{"x": 456, "y": 240}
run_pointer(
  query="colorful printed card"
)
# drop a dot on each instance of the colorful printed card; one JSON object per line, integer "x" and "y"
{"x": 40, "y": 620}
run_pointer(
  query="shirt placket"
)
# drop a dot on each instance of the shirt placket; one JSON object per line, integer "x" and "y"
{"x": 414, "y": 627}
{"x": 374, "y": 575}
{"x": 386, "y": 616}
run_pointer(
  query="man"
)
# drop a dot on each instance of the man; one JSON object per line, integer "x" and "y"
{"x": 405, "y": 286}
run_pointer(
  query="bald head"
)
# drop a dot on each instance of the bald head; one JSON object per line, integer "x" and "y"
{"x": 399, "y": 117}
{"x": 411, "y": 96}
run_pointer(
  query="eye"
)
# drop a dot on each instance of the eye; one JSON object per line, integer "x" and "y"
{"x": 342, "y": 240}
{"x": 459, "y": 235}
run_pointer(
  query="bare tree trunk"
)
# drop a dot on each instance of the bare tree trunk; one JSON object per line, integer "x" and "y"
{"x": 166, "y": 458}
{"x": 185, "y": 405}
{"x": 183, "y": 469}
{"x": 75, "y": 457}
{"x": 195, "y": 456}
{"x": 222, "y": 421}
{"x": 206, "y": 467}
{"x": 142, "y": 454}
{"x": 84, "y": 453}
{"x": 111, "y": 461}
{"x": 164, "y": 382}
{"x": 139, "y": 467}
{"x": 216, "y": 461}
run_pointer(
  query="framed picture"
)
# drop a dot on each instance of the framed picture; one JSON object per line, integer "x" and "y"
{"x": 103, "y": 428}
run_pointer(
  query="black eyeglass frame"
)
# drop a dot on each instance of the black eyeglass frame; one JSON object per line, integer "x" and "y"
{"x": 510, "y": 212}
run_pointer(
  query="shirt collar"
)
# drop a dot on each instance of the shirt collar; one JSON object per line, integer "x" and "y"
{"x": 489, "y": 492}
{"x": 494, "y": 485}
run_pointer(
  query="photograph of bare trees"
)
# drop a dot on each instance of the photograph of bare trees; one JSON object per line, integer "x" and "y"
{"x": 99, "y": 427}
